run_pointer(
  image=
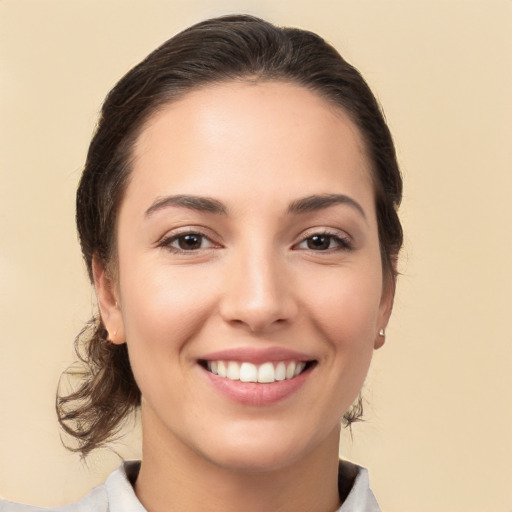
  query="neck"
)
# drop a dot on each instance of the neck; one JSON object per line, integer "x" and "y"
{"x": 175, "y": 478}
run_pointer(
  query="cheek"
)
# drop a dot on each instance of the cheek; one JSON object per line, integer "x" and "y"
{"x": 346, "y": 302}
{"x": 162, "y": 309}
{"x": 352, "y": 317}
{"x": 345, "y": 309}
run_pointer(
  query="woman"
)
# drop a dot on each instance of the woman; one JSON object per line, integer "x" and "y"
{"x": 237, "y": 216}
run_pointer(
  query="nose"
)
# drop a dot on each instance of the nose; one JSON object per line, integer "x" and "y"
{"x": 258, "y": 294}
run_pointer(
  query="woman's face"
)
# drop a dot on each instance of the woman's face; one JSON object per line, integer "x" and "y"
{"x": 247, "y": 250}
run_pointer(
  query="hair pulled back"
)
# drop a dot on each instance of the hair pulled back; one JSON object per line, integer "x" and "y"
{"x": 239, "y": 48}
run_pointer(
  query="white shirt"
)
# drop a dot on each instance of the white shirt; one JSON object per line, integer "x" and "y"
{"x": 117, "y": 494}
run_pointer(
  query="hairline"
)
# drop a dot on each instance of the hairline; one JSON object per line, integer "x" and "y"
{"x": 170, "y": 97}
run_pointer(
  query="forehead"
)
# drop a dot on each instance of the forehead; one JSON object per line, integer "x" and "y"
{"x": 254, "y": 136}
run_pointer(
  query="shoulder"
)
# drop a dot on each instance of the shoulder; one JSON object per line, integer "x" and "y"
{"x": 115, "y": 495}
{"x": 354, "y": 489}
{"x": 95, "y": 501}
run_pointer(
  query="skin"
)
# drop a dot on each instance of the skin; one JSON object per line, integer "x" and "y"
{"x": 253, "y": 281}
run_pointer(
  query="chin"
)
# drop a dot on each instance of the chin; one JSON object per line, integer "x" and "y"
{"x": 266, "y": 452}
{"x": 256, "y": 460}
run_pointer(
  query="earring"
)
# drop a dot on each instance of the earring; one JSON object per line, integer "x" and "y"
{"x": 382, "y": 332}
{"x": 111, "y": 338}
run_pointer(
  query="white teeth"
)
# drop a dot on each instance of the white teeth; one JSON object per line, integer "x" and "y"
{"x": 266, "y": 373}
{"x": 280, "y": 371}
{"x": 248, "y": 372}
{"x": 233, "y": 372}
{"x": 299, "y": 368}
{"x": 290, "y": 370}
{"x": 221, "y": 369}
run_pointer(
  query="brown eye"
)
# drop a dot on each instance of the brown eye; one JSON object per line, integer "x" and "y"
{"x": 190, "y": 242}
{"x": 187, "y": 242}
{"x": 319, "y": 242}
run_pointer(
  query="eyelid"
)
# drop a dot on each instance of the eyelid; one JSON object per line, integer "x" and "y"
{"x": 346, "y": 242}
{"x": 173, "y": 235}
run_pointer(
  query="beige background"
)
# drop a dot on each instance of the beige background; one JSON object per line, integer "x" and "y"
{"x": 438, "y": 435}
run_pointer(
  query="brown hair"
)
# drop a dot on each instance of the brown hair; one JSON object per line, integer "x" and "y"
{"x": 218, "y": 50}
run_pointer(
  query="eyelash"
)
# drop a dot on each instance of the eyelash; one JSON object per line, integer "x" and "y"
{"x": 167, "y": 242}
{"x": 343, "y": 243}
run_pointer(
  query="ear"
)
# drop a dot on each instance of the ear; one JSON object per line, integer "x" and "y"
{"x": 108, "y": 302}
{"x": 385, "y": 308}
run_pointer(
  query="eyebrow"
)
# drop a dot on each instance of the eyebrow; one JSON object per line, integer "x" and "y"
{"x": 210, "y": 205}
{"x": 202, "y": 204}
{"x": 319, "y": 202}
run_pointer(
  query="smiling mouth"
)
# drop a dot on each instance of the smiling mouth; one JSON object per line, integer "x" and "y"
{"x": 265, "y": 373}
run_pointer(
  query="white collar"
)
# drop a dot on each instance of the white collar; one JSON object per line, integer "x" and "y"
{"x": 122, "y": 498}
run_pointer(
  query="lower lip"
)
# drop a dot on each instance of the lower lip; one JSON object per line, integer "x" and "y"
{"x": 255, "y": 393}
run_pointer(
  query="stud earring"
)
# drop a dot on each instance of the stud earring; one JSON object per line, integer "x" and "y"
{"x": 382, "y": 332}
{"x": 111, "y": 338}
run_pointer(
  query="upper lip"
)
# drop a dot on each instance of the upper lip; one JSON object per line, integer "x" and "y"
{"x": 257, "y": 355}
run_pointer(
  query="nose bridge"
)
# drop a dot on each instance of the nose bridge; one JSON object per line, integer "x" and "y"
{"x": 256, "y": 292}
